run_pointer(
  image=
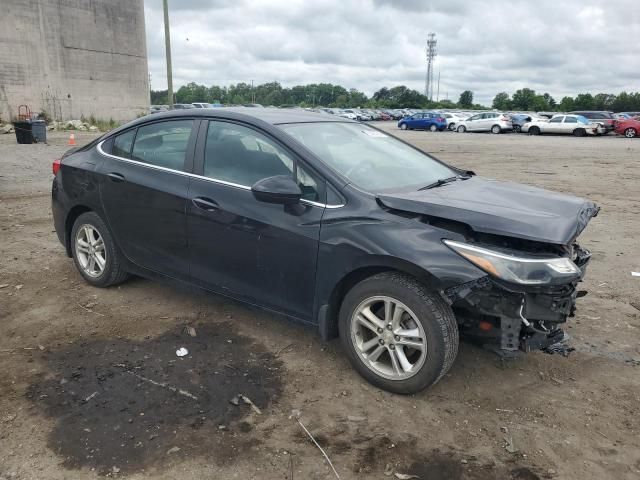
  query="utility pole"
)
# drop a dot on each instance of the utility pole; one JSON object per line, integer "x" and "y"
{"x": 167, "y": 49}
{"x": 431, "y": 56}
{"x": 438, "y": 94}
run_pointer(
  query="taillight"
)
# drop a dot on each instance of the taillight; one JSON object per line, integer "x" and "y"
{"x": 56, "y": 166}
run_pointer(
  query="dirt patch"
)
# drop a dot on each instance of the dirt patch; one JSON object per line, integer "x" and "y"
{"x": 122, "y": 405}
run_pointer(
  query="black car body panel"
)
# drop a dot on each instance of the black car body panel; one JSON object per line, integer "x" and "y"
{"x": 299, "y": 260}
{"x": 501, "y": 208}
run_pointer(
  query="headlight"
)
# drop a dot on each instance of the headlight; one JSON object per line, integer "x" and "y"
{"x": 527, "y": 270}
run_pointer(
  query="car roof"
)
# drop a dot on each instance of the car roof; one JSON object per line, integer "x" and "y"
{"x": 272, "y": 116}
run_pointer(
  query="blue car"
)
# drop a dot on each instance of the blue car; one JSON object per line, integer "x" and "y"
{"x": 423, "y": 121}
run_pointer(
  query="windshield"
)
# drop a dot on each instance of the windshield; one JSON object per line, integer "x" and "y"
{"x": 368, "y": 158}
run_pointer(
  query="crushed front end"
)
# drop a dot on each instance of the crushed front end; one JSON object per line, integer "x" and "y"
{"x": 509, "y": 317}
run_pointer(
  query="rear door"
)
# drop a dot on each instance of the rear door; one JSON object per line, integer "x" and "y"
{"x": 144, "y": 190}
{"x": 260, "y": 252}
{"x": 570, "y": 124}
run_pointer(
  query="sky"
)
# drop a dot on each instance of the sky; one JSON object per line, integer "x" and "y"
{"x": 560, "y": 47}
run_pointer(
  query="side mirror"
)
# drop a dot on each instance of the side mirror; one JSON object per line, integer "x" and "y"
{"x": 280, "y": 189}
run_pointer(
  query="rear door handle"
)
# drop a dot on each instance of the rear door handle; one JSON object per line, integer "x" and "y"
{"x": 205, "y": 204}
{"x": 115, "y": 177}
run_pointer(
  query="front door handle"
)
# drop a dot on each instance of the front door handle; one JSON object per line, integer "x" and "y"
{"x": 115, "y": 177}
{"x": 205, "y": 204}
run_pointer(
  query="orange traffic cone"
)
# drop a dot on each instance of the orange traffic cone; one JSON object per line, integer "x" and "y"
{"x": 72, "y": 139}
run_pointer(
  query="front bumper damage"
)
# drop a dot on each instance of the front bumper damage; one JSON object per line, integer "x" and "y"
{"x": 510, "y": 319}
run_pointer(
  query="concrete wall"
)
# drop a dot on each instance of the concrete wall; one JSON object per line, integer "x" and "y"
{"x": 73, "y": 58}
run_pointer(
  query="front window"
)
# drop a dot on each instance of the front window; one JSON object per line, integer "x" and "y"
{"x": 370, "y": 159}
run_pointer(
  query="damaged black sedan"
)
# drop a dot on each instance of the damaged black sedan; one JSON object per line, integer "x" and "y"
{"x": 330, "y": 222}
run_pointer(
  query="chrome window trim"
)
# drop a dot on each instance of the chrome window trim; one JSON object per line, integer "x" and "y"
{"x": 193, "y": 175}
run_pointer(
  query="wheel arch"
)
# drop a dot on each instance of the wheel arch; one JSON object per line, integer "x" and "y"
{"x": 73, "y": 214}
{"x": 329, "y": 309}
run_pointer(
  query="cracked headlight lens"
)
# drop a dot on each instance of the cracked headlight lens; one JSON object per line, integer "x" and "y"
{"x": 523, "y": 269}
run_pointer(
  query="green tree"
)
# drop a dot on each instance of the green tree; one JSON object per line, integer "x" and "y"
{"x": 603, "y": 101}
{"x": 566, "y": 104}
{"x": 523, "y": 99}
{"x": 583, "y": 101}
{"x": 551, "y": 102}
{"x": 502, "y": 101}
{"x": 466, "y": 99}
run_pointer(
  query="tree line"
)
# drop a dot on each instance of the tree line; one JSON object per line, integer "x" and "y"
{"x": 330, "y": 95}
{"x": 527, "y": 99}
{"x": 311, "y": 95}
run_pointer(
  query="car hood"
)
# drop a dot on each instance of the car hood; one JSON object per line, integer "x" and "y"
{"x": 501, "y": 208}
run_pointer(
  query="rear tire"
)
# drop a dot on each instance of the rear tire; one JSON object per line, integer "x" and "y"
{"x": 579, "y": 132}
{"x": 534, "y": 131}
{"x": 94, "y": 252}
{"x": 630, "y": 133}
{"x": 496, "y": 129}
{"x": 461, "y": 129}
{"x": 433, "y": 128}
{"x": 423, "y": 320}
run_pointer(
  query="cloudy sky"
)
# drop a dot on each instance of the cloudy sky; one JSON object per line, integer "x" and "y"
{"x": 561, "y": 47}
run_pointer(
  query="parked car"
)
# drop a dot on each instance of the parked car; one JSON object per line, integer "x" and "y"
{"x": 631, "y": 114}
{"x": 452, "y": 119}
{"x": 330, "y": 222}
{"x": 630, "y": 128}
{"x": 356, "y": 114}
{"x": 200, "y": 105}
{"x": 384, "y": 115}
{"x": 182, "y": 106}
{"x": 600, "y": 117}
{"x": 423, "y": 121}
{"x": 351, "y": 115}
{"x": 519, "y": 119}
{"x": 493, "y": 122}
{"x": 576, "y": 125}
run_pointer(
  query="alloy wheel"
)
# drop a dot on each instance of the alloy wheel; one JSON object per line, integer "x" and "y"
{"x": 433, "y": 128}
{"x": 630, "y": 133}
{"x": 90, "y": 250}
{"x": 388, "y": 338}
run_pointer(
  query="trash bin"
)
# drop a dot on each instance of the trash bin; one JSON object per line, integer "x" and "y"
{"x": 39, "y": 131}
{"x": 23, "y": 131}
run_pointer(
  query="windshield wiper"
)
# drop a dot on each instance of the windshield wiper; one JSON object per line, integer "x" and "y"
{"x": 439, "y": 183}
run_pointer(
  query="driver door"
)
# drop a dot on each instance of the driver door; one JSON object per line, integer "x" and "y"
{"x": 263, "y": 253}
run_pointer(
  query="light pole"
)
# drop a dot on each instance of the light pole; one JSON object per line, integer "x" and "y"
{"x": 167, "y": 49}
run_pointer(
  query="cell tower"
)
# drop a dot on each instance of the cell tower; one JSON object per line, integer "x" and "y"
{"x": 431, "y": 56}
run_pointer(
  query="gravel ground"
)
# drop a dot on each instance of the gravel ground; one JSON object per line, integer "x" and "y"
{"x": 92, "y": 387}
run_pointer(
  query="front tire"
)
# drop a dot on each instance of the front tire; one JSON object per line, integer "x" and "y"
{"x": 398, "y": 335}
{"x": 452, "y": 126}
{"x": 579, "y": 132}
{"x": 534, "y": 131}
{"x": 94, "y": 252}
{"x": 516, "y": 128}
{"x": 403, "y": 126}
{"x": 630, "y": 133}
{"x": 461, "y": 129}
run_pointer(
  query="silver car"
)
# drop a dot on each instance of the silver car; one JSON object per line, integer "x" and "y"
{"x": 494, "y": 122}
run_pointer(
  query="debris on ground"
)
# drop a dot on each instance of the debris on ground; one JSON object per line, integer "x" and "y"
{"x": 319, "y": 447}
{"x": 190, "y": 330}
{"x": 405, "y": 476}
{"x": 247, "y": 401}
{"x": 181, "y": 352}
{"x": 173, "y": 450}
{"x": 508, "y": 439}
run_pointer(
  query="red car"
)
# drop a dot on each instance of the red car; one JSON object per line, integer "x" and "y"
{"x": 629, "y": 128}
